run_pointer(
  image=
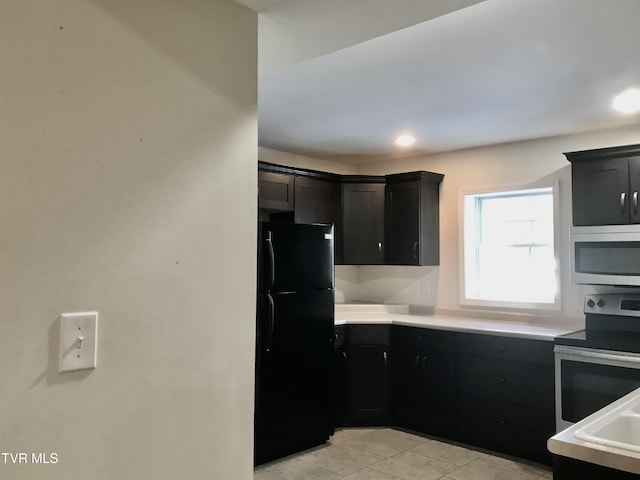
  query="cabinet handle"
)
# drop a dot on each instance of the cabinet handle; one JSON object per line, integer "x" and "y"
{"x": 379, "y": 249}
{"x": 344, "y": 354}
{"x": 503, "y": 380}
{"x": 623, "y": 197}
{"x": 424, "y": 366}
{"x": 384, "y": 356}
{"x": 415, "y": 250}
{"x": 635, "y": 203}
{"x": 417, "y": 362}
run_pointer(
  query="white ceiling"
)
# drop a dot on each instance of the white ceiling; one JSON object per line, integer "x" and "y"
{"x": 341, "y": 81}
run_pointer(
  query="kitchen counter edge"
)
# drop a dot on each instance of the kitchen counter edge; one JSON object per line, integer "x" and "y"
{"x": 567, "y": 445}
{"x": 457, "y": 324}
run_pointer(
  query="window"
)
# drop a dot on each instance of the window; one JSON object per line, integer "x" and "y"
{"x": 509, "y": 249}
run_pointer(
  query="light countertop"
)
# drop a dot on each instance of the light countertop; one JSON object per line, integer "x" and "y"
{"x": 399, "y": 315}
{"x": 567, "y": 445}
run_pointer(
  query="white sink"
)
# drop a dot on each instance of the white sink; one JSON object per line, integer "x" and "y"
{"x": 619, "y": 427}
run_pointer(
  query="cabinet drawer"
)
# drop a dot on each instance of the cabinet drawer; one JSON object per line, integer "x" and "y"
{"x": 368, "y": 334}
{"x": 506, "y": 427}
{"x": 423, "y": 338}
{"x": 507, "y": 348}
{"x": 517, "y": 382}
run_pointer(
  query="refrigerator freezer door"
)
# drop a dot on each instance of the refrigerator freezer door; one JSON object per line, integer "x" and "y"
{"x": 295, "y": 257}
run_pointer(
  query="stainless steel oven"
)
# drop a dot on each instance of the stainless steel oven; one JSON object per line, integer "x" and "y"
{"x": 598, "y": 365}
{"x": 588, "y": 379}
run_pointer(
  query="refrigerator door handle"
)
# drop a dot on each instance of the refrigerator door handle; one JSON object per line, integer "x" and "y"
{"x": 272, "y": 260}
{"x": 272, "y": 321}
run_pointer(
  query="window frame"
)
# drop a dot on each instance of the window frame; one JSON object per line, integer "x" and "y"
{"x": 556, "y": 304}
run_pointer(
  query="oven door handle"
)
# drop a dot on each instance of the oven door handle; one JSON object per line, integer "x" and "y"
{"x": 625, "y": 357}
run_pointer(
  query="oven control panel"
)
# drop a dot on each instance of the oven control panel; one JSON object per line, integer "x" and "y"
{"x": 612, "y": 304}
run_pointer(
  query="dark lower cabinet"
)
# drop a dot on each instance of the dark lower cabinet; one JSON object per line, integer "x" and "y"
{"x": 363, "y": 366}
{"x": 505, "y": 427}
{"x": 571, "y": 469}
{"x": 488, "y": 391}
{"x": 506, "y": 394}
{"x": 423, "y": 373}
{"x": 368, "y": 385}
{"x": 341, "y": 380}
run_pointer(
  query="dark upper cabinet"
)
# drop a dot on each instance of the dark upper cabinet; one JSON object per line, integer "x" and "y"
{"x": 392, "y": 219}
{"x": 605, "y": 186}
{"x": 363, "y": 222}
{"x": 310, "y": 196}
{"x": 412, "y": 219}
{"x": 275, "y": 191}
{"x": 318, "y": 201}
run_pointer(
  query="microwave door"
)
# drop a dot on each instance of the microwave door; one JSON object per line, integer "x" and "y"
{"x": 606, "y": 258}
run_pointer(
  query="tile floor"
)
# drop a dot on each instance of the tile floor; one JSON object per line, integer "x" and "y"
{"x": 387, "y": 454}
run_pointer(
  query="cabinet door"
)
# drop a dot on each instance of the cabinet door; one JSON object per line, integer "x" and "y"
{"x": 634, "y": 187}
{"x": 407, "y": 382}
{"x": 275, "y": 191}
{"x": 601, "y": 192}
{"x": 402, "y": 223}
{"x": 506, "y": 427}
{"x": 424, "y": 380}
{"x": 368, "y": 385}
{"x": 318, "y": 201}
{"x": 363, "y": 223}
{"x": 439, "y": 369}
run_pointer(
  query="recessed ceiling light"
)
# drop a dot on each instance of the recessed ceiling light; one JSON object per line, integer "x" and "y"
{"x": 405, "y": 140}
{"x": 627, "y": 102}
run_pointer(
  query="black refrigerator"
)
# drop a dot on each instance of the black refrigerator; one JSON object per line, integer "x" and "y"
{"x": 294, "y": 339}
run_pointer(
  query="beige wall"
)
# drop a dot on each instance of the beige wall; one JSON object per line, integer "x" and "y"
{"x": 127, "y": 185}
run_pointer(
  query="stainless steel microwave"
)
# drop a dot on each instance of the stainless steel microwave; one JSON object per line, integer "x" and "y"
{"x": 606, "y": 255}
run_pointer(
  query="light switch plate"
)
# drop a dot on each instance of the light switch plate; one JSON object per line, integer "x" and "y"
{"x": 78, "y": 341}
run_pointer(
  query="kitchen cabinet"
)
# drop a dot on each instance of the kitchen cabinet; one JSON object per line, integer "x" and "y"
{"x": 363, "y": 220}
{"x": 489, "y": 391}
{"x": 299, "y": 195}
{"x": 506, "y": 394}
{"x": 317, "y": 200}
{"x": 605, "y": 185}
{"x": 392, "y": 219}
{"x": 423, "y": 380}
{"x": 366, "y": 362}
{"x": 341, "y": 381}
{"x": 275, "y": 191}
{"x": 569, "y": 469}
{"x": 412, "y": 218}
